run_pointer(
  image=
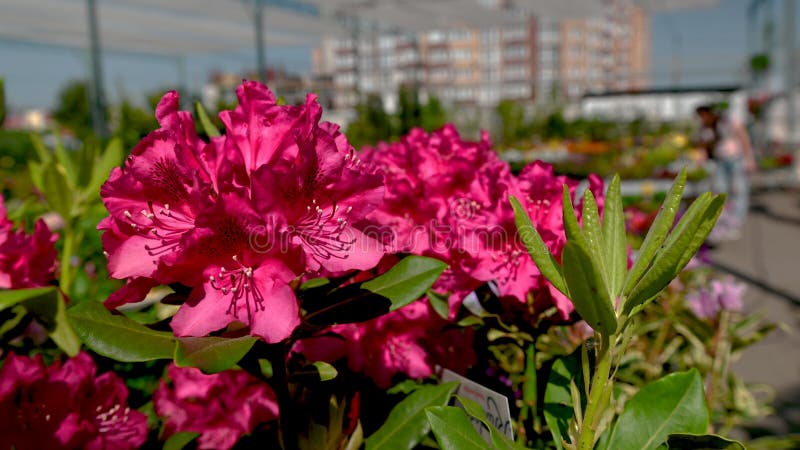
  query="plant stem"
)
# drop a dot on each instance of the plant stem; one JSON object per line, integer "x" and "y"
{"x": 600, "y": 386}
{"x": 65, "y": 279}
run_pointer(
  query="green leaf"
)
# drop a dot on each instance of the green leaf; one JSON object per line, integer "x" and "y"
{"x": 65, "y": 160}
{"x": 178, "y": 441}
{"x": 571, "y": 227}
{"x": 680, "y": 246}
{"x": 558, "y": 407}
{"x": 212, "y": 354}
{"x": 111, "y": 157}
{"x": 673, "y": 404}
{"x": 473, "y": 409}
{"x": 325, "y": 370}
{"x": 657, "y": 233}
{"x": 538, "y": 250}
{"x": 13, "y": 297}
{"x": 57, "y": 190}
{"x": 594, "y": 237}
{"x": 48, "y": 307}
{"x": 119, "y": 337}
{"x": 407, "y": 280}
{"x": 453, "y": 429}
{"x": 439, "y": 303}
{"x": 205, "y": 122}
{"x": 407, "y": 423}
{"x": 702, "y": 442}
{"x": 587, "y": 289}
{"x": 615, "y": 247}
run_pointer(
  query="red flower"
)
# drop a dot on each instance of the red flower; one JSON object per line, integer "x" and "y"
{"x": 221, "y": 407}
{"x": 65, "y": 406}
{"x": 26, "y": 260}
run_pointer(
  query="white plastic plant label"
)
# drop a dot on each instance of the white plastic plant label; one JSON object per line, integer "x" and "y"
{"x": 494, "y": 404}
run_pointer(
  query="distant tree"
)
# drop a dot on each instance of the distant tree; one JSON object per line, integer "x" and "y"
{"x": 73, "y": 110}
{"x": 2, "y": 102}
{"x": 432, "y": 115}
{"x": 372, "y": 124}
{"x": 409, "y": 114}
{"x": 513, "y": 127}
{"x": 133, "y": 123}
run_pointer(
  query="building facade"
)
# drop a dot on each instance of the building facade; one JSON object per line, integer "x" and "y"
{"x": 537, "y": 59}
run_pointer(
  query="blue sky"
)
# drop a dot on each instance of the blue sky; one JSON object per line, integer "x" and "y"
{"x": 711, "y": 45}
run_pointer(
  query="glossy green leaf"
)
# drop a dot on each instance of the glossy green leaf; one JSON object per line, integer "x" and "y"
{"x": 594, "y": 237}
{"x": 119, "y": 337}
{"x": 657, "y": 233}
{"x": 680, "y": 246}
{"x": 558, "y": 404}
{"x": 407, "y": 280}
{"x": 614, "y": 241}
{"x": 453, "y": 429}
{"x": 545, "y": 261}
{"x": 439, "y": 303}
{"x": 205, "y": 121}
{"x": 325, "y": 370}
{"x": 702, "y": 442}
{"x": 587, "y": 289}
{"x": 13, "y": 297}
{"x": 407, "y": 423}
{"x": 212, "y": 354}
{"x": 179, "y": 441}
{"x": 673, "y": 404}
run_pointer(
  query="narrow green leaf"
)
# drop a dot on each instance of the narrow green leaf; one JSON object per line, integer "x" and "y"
{"x": 325, "y": 370}
{"x": 407, "y": 280}
{"x": 538, "y": 250}
{"x": 615, "y": 244}
{"x": 453, "y": 429}
{"x": 587, "y": 288}
{"x": 111, "y": 157}
{"x": 571, "y": 227}
{"x": 673, "y": 404}
{"x": 13, "y": 297}
{"x": 205, "y": 121}
{"x": 702, "y": 442}
{"x": 65, "y": 160}
{"x": 179, "y": 441}
{"x": 212, "y": 354}
{"x": 407, "y": 423}
{"x": 657, "y": 233}
{"x": 678, "y": 249}
{"x": 57, "y": 190}
{"x": 594, "y": 237}
{"x": 119, "y": 337}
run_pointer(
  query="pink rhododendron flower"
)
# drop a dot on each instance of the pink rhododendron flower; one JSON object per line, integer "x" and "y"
{"x": 408, "y": 341}
{"x": 222, "y": 407}
{"x": 65, "y": 406}
{"x": 26, "y": 260}
{"x": 449, "y": 199}
{"x": 238, "y": 218}
{"x": 721, "y": 294}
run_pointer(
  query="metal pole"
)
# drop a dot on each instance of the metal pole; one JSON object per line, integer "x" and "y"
{"x": 97, "y": 97}
{"x": 258, "y": 26}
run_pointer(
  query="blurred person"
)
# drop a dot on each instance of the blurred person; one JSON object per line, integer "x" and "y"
{"x": 727, "y": 144}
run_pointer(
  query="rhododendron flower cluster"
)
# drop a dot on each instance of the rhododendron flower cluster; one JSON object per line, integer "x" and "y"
{"x": 221, "y": 407}
{"x": 409, "y": 341}
{"x": 449, "y": 198}
{"x": 65, "y": 406}
{"x": 238, "y": 218}
{"x": 26, "y": 260}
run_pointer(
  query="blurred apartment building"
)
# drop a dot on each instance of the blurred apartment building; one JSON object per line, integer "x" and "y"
{"x": 538, "y": 59}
